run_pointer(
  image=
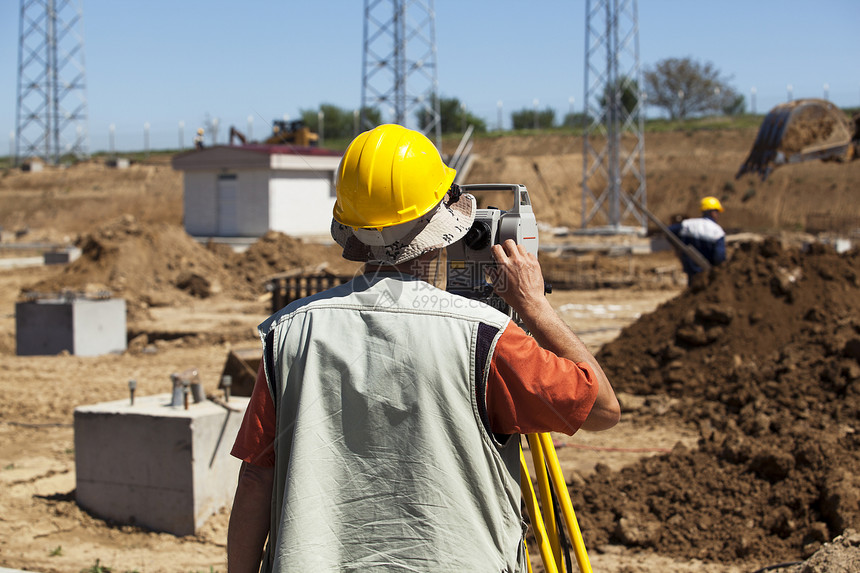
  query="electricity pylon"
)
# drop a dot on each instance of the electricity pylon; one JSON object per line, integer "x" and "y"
{"x": 51, "y": 119}
{"x": 614, "y": 143}
{"x": 399, "y": 65}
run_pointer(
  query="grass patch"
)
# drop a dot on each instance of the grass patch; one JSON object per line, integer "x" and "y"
{"x": 714, "y": 123}
{"x": 99, "y": 568}
{"x": 688, "y": 125}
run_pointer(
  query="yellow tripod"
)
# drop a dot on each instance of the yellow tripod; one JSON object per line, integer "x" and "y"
{"x": 546, "y": 530}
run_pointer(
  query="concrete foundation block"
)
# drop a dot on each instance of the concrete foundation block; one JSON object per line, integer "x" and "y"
{"x": 62, "y": 256}
{"x": 83, "y": 327}
{"x": 157, "y": 466}
{"x": 118, "y": 162}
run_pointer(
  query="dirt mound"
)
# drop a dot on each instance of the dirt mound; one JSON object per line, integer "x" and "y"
{"x": 154, "y": 264}
{"x": 840, "y": 556}
{"x": 161, "y": 265}
{"x": 277, "y": 252}
{"x": 764, "y": 357}
{"x": 747, "y": 310}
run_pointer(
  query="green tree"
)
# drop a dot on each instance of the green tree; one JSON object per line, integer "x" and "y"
{"x": 530, "y": 118}
{"x": 734, "y": 104}
{"x": 684, "y": 87}
{"x": 372, "y": 116}
{"x": 453, "y": 115}
{"x": 338, "y": 123}
{"x": 577, "y": 119}
{"x": 629, "y": 90}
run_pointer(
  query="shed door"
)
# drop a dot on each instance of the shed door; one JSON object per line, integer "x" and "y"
{"x": 228, "y": 220}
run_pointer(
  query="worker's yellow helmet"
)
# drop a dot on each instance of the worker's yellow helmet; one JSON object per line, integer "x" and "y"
{"x": 711, "y": 204}
{"x": 388, "y": 176}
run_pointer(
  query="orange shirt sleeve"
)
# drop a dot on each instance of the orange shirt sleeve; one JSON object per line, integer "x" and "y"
{"x": 530, "y": 389}
{"x": 255, "y": 442}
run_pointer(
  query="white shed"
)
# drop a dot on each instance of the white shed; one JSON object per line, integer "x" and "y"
{"x": 245, "y": 191}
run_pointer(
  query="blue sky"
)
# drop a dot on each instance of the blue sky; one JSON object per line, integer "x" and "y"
{"x": 160, "y": 62}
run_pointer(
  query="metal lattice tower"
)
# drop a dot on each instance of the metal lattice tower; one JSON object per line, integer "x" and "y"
{"x": 399, "y": 66}
{"x": 614, "y": 144}
{"x": 51, "y": 119}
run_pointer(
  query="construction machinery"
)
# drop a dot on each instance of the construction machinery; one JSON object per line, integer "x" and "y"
{"x": 283, "y": 133}
{"x": 236, "y": 134}
{"x": 803, "y": 130}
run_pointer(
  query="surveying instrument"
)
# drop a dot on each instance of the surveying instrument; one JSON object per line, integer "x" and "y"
{"x": 469, "y": 261}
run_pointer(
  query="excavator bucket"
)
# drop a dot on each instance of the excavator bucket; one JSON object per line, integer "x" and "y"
{"x": 801, "y": 130}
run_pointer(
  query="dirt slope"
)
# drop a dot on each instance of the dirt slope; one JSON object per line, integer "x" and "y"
{"x": 59, "y": 203}
{"x": 681, "y": 167}
{"x": 764, "y": 358}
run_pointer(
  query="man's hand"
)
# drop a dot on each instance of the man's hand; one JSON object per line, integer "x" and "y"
{"x": 517, "y": 277}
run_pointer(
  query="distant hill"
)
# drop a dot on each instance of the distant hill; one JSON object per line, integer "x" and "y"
{"x": 681, "y": 167}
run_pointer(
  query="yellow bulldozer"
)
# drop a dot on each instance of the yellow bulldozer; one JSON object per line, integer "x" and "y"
{"x": 803, "y": 130}
{"x": 283, "y": 133}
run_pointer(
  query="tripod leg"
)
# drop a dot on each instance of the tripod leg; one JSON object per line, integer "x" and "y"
{"x": 566, "y": 505}
{"x": 533, "y": 509}
{"x": 543, "y": 483}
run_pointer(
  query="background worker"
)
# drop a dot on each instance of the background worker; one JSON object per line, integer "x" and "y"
{"x": 198, "y": 139}
{"x": 383, "y": 429}
{"x": 704, "y": 234}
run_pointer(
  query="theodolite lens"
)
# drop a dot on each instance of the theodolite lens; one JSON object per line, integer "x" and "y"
{"x": 478, "y": 237}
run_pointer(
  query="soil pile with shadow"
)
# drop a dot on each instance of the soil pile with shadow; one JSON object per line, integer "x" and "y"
{"x": 148, "y": 264}
{"x": 763, "y": 356}
{"x": 276, "y": 252}
{"x": 159, "y": 264}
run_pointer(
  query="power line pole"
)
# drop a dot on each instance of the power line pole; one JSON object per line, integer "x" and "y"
{"x": 399, "y": 64}
{"x": 614, "y": 143}
{"x": 51, "y": 118}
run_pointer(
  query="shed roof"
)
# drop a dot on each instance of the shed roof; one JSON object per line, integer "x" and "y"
{"x": 257, "y": 156}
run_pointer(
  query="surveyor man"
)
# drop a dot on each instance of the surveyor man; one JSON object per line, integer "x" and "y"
{"x": 704, "y": 234}
{"x": 383, "y": 429}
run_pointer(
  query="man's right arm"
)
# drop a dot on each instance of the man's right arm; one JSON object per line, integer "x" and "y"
{"x": 520, "y": 284}
{"x": 249, "y": 519}
{"x": 719, "y": 251}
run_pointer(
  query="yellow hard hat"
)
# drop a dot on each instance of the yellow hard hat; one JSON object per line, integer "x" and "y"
{"x": 711, "y": 204}
{"x": 387, "y": 176}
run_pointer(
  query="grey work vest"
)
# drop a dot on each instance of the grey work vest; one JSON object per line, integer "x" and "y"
{"x": 384, "y": 458}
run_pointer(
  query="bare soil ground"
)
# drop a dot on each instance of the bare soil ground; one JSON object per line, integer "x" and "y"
{"x": 737, "y": 448}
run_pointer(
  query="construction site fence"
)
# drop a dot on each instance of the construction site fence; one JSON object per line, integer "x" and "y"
{"x": 829, "y": 223}
{"x": 592, "y": 280}
{"x": 286, "y": 289}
